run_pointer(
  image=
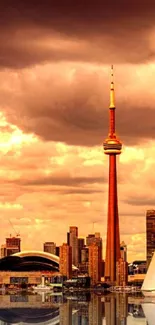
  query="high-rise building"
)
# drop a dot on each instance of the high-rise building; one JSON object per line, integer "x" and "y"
{"x": 50, "y": 247}
{"x": 68, "y": 240}
{"x": 57, "y": 250}
{"x": 94, "y": 238}
{"x": 84, "y": 255}
{"x": 83, "y": 265}
{"x": 121, "y": 272}
{"x": 112, "y": 147}
{"x": 12, "y": 245}
{"x": 73, "y": 242}
{"x": 89, "y": 239}
{"x": 123, "y": 249}
{"x": 80, "y": 247}
{"x": 3, "y": 251}
{"x": 65, "y": 263}
{"x": 95, "y": 260}
{"x": 150, "y": 235}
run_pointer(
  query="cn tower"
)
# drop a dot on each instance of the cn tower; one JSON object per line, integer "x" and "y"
{"x": 112, "y": 147}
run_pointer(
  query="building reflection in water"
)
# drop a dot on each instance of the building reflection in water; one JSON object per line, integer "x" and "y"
{"x": 68, "y": 309}
{"x": 116, "y": 309}
{"x": 81, "y": 311}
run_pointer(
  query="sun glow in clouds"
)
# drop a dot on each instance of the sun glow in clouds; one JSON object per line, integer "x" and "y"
{"x": 10, "y": 206}
{"x": 12, "y": 138}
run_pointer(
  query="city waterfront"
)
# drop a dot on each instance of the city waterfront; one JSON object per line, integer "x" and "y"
{"x": 79, "y": 309}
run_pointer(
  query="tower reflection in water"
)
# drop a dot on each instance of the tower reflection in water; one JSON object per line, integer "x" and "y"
{"x": 116, "y": 309}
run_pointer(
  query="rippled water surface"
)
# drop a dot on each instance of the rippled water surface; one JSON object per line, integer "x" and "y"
{"x": 78, "y": 309}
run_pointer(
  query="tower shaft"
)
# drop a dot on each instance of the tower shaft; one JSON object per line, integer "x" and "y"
{"x": 113, "y": 237}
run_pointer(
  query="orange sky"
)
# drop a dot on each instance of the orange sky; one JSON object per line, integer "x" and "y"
{"x": 54, "y": 97}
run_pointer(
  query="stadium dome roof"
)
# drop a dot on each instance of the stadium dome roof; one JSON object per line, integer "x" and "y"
{"x": 31, "y": 261}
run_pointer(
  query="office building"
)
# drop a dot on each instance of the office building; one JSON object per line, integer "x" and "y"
{"x": 12, "y": 245}
{"x": 3, "y": 251}
{"x": 50, "y": 247}
{"x": 94, "y": 238}
{"x": 73, "y": 242}
{"x": 150, "y": 235}
{"x": 83, "y": 265}
{"x": 57, "y": 250}
{"x": 65, "y": 263}
{"x": 112, "y": 148}
{"x": 81, "y": 243}
{"x": 68, "y": 240}
{"x": 89, "y": 239}
{"x": 123, "y": 249}
{"x": 84, "y": 254}
{"x": 95, "y": 260}
{"x": 121, "y": 272}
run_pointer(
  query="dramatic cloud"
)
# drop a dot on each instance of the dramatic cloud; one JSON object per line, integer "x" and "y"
{"x": 41, "y": 31}
{"x": 54, "y": 95}
{"x": 69, "y": 103}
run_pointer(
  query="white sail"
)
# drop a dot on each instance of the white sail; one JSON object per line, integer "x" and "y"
{"x": 149, "y": 281}
{"x": 149, "y": 311}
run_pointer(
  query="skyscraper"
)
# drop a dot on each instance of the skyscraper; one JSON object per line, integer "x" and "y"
{"x": 73, "y": 242}
{"x": 123, "y": 249}
{"x": 65, "y": 264}
{"x": 94, "y": 238}
{"x": 50, "y": 247}
{"x": 150, "y": 235}
{"x": 80, "y": 247}
{"x": 95, "y": 260}
{"x": 122, "y": 272}
{"x": 3, "y": 251}
{"x": 57, "y": 250}
{"x": 12, "y": 245}
{"x": 112, "y": 147}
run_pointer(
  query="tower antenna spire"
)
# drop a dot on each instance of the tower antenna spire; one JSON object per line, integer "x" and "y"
{"x": 112, "y": 93}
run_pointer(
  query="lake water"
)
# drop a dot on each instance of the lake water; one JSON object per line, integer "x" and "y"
{"x": 77, "y": 309}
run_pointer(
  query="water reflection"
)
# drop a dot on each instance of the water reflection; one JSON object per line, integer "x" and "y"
{"x": 76, "y": 309}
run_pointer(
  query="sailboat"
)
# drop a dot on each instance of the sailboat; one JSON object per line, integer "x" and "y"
{"x": 148, "y": 287}
{"x": 149, "y": 311}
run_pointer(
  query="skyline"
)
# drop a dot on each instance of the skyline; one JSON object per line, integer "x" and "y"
{"x": 54, "y": 99}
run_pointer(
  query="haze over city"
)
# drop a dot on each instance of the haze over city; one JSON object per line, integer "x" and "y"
{"x": 54, "y": 97}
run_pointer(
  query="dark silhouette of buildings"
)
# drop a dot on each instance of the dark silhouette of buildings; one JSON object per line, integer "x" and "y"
{"x": 112, "y": 147}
